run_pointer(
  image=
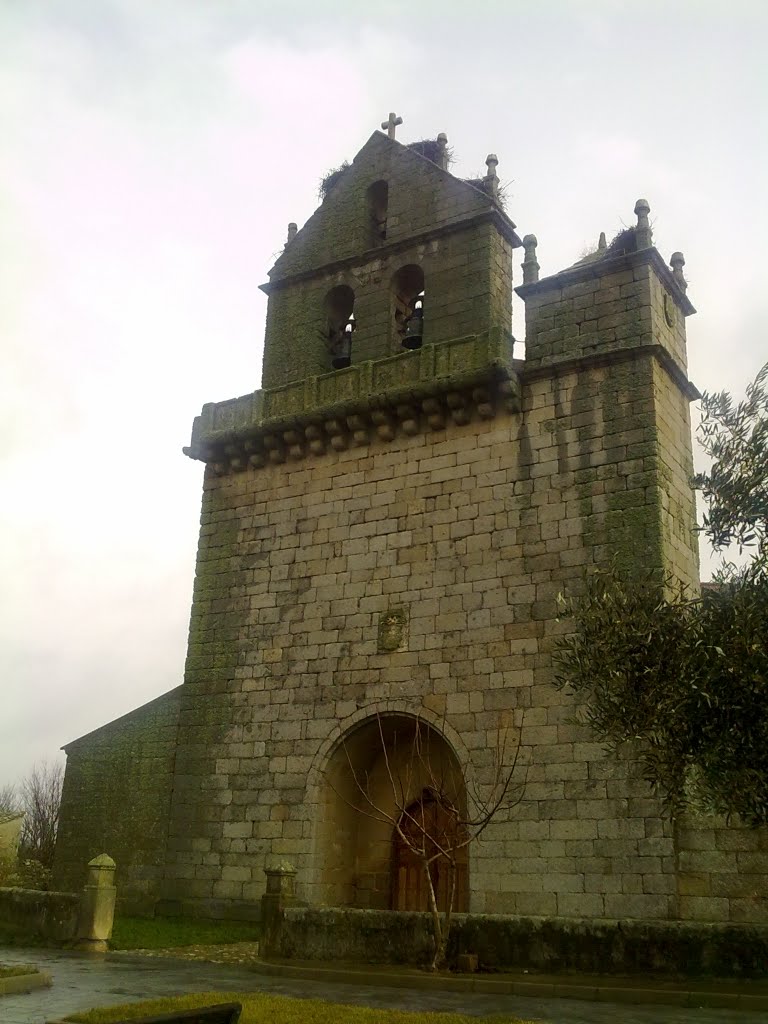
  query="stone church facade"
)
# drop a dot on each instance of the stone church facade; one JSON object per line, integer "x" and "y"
{"x": 386, "y": 528}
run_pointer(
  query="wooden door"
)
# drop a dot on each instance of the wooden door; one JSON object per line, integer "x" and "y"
{"x": 409, "y": 884}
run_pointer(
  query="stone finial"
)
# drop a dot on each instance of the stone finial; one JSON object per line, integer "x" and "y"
{"x": 643, "y": 233}
{"x": 391, "y": 124}
{"x": 530, "y": 264}
{"x": 282, "y": 867}
{"x": 293, "y": 230}
{"x": 677, "y": 262}
{"x": 101, "y": 870}
{"x": 442, "y": 142}
{"x": 492, "y": 178}
{"x": 602, "y": 245}
{"x": 281, "y": 879}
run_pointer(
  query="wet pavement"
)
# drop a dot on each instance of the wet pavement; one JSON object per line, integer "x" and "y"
{"x": 82, "y": 981}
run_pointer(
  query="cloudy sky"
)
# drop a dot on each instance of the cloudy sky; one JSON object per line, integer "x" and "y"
{"x": 153, "y": 153}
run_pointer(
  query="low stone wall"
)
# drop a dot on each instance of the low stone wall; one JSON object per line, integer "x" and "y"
{"x": 85, "y": 917}
{"x": 374, "y": 936}
{"x": 37, "y": 914}
{"x": 541, "y": 944}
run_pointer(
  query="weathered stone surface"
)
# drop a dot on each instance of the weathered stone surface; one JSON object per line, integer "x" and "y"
{"x": 31, "y": 914}
{"x": 473, "y": 532}
{"x": 535, "y": 943}
{"x": 434, "y": 221}
{"x": 97, "y": 905}
{"x": 392, "y": 538}
{"x": 116, "y": 797}
{"x": 401, "y": 393}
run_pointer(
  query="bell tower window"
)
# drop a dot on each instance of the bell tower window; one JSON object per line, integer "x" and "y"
{"x": 408, "y": 295}
{"x": 378, "y": 199}
{"x": 340, "y": 325}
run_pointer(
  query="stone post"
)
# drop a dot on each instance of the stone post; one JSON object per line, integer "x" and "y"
{"x": 281, "y": 893}
{"x": 643, "y": 233}
{"x": 97, "y": 905}
{"x": 530, "y": 264}
{"x": 492, "y": 179}
{"x": 677, "y": 262}
{"x": 442, "y": 142}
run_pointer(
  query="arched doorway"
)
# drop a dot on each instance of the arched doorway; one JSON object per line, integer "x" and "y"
{"x": 429, "y": 824}
{"x": 376, "y": 773}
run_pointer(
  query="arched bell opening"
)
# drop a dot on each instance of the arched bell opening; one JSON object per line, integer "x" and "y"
{"x": 387, "y": 771}
{"x": 377, "y": 198}
{"x": 340, "y": 324}
{"x": 408, "y": 301}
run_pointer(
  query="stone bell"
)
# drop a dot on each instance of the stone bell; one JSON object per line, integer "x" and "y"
{"x": 414, "y": 325}
{"x": 342, "y": 357}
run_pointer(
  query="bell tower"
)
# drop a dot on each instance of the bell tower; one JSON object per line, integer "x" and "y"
{"x": 389, "y": 310}
{"x": 623, "y": 308}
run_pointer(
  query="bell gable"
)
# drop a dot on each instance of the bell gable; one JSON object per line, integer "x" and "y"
{"x": 388, "y": 195}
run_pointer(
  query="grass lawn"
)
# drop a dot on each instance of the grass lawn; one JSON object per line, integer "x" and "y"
{"x": 169, "y": 932}
{"x": 268, "y": 1009}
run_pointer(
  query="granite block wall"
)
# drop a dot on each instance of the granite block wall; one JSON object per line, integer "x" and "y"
{"x": 475, "y": 531}
{"x": 116, "y": 800}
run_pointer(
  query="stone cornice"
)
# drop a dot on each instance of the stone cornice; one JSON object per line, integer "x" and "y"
{"x": 611, "y": 265}
{"x": 611, "y": 358}
{"x": 406, "y": 393}
{"x": 490, "y": 216}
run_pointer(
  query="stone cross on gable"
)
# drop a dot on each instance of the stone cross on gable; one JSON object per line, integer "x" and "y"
{"x": 391, "y": 124}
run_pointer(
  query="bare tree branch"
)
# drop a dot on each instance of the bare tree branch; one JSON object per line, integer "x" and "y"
{"x": 41, "y": 799}
{"x": 10, "y": 800}
{"x": 435, "y": 825}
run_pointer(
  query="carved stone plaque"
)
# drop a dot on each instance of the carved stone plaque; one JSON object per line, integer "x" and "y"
{"x": 670, "y": 310}
{"x": 393, "y": 629}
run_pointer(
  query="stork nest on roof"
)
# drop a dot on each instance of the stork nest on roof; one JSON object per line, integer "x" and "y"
{"x": 330, "y": 179}
{"x": 502, "y": 190}
{"x": 625, "y": 241}
{"x": 430, "y": 149}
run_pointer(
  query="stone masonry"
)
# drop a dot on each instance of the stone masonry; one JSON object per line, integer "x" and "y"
{"x": 116, "y": 796}
{"x": 452, "y": 492}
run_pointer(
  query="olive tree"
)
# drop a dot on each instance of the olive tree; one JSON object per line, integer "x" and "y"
{"x": 682, "y": 674}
